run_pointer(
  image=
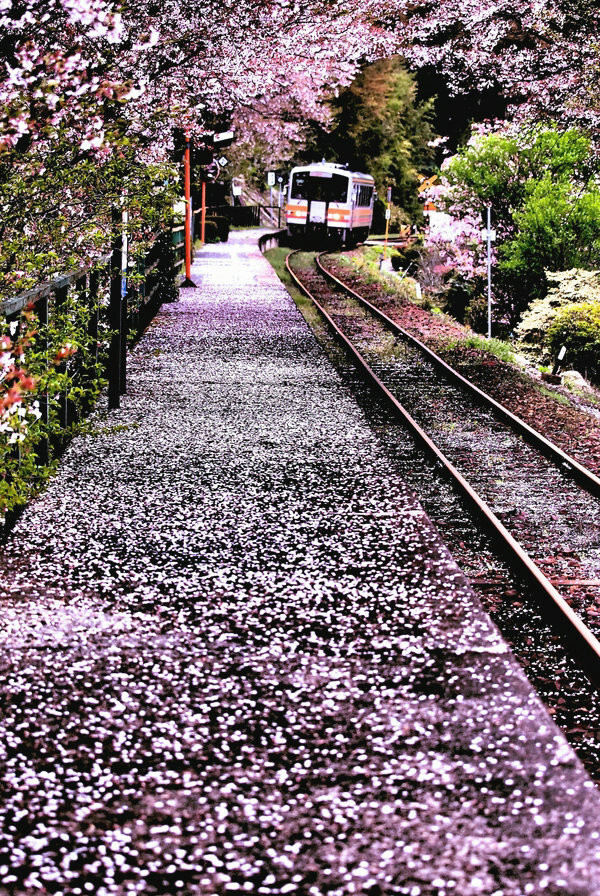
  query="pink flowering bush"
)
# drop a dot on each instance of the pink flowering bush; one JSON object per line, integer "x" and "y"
{"x": 19, "y": 416}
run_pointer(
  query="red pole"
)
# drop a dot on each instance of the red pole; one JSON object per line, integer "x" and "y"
{"x": 188, "y": 282}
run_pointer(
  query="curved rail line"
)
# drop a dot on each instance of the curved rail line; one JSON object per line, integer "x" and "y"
{"x": 581, "y": 474}
{"x": 581, "y": 638}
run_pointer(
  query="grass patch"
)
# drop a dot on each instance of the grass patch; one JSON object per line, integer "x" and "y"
{"x": 556, "y": 396}
{"x": 496, "y": 347}
{"x": 276, "y": 258}
{"x": 365, "y": 262}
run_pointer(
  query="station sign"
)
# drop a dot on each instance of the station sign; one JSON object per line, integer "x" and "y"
{"x": 271, "y": 179}
{"x": 223, "y": 139}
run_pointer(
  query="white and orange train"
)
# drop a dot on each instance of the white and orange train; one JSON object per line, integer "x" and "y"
{"x": 325, "y": 200}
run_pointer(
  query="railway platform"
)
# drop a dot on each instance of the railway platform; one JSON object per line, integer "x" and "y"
{"x": 238, "y": 658}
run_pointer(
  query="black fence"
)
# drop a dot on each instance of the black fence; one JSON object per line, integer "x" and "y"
{"x": 248, "y": 215}
{"x": 116, "y": 310}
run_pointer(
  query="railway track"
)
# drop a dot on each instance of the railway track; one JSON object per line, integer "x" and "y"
{"x": 485, "y": 451}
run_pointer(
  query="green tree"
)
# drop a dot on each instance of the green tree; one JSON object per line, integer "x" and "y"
{"x": 557, "y": 228}
{"x": 541, "y": 184}
{"x": 378, "y": 125}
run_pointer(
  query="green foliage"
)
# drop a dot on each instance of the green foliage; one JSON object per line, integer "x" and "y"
{"x": 380, "y": 127}
{"x": 222, "y": 225}
{"x": 558, "y": 227}
{"x": 501, "y": 168}
{"x": 496, "y": 347}
{"x": 578, "y": 328}
{"x": 63, "y": 374}
{"x": 465, "y": 301}
{"x": 57, "y": 208}
{"x": 565, "y": 288}
{"x": 545, "y": 201}
{"x": 490, "y": 170}
{"x": 367, "y": 262}
{"x": 407, "y": 259}
{"x": 211, "y": 231}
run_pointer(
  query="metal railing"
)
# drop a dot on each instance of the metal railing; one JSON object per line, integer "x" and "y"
{"x": 248, "y": 215}
{"x": 272, "y": 240}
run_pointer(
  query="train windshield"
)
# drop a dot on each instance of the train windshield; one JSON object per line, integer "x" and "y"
{"x": 322, "y": 187}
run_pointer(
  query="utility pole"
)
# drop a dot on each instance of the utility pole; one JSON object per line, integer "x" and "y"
{"x": 490, "y": 235}
{"x": 188, "y": 283}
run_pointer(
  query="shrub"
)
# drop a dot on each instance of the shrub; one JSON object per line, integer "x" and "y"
{"x": 462, "y": 296}
{"x": 565, "y": 288}
{"x": 578, "y": 328}
{"x": 222, "y": 227}
{"x": 404, "y": 258}
{"x": 476, "y": 314}
{"x": 211, "y": 231}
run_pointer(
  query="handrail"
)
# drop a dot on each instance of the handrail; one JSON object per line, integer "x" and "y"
{"x": 8, "y": 307}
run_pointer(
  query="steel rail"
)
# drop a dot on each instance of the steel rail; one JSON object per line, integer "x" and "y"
{"x": 578, "y": 471}
{"x": 582, "y": 639}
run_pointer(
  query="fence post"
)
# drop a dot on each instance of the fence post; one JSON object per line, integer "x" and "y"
{"x": 124, "y": 332}
{"x": 94, "y": 307}
{"x": 115, "y": 317}
{"x": 166, "y": 264}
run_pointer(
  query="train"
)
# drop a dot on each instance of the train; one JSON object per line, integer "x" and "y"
{"x": 325, "y": 201}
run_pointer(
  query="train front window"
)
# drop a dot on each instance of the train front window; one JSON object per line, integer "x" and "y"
{"x": 331, "y": 188}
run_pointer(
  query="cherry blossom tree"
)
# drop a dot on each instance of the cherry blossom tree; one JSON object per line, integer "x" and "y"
{"x": 543, "y": 55}
{"x": 92, "y": 93}
{"x": 91, "y": 96}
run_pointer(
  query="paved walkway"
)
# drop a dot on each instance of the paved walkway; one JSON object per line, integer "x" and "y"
{"x": 238, "y": 660}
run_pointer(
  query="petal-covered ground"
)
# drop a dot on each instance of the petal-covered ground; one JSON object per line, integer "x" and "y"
{"x": 238, "y": 659}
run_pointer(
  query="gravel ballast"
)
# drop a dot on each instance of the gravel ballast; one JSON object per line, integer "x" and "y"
{"x": 237, "y": 657}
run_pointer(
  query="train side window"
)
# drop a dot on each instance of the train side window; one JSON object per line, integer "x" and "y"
{"x": 363, "y": 196}
{"x": 339, "y": 188}
{"x": 369, "y": 195}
